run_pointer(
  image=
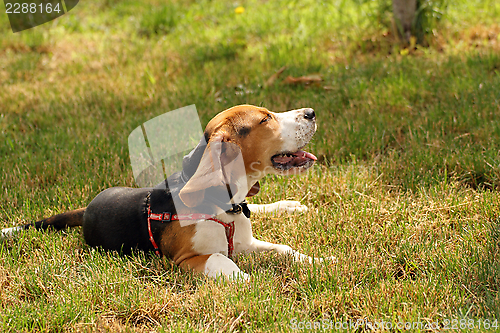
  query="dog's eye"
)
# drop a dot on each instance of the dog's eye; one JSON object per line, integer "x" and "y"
{"x": 268, "y": 117}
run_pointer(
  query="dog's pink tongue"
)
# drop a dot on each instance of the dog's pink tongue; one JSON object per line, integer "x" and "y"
{"x": 302, "y": 157}
{"x": 298, "y": 157}
{"x": 307, "y": 155}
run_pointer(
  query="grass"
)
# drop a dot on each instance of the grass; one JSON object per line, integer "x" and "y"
{"x": 405, "y": 194}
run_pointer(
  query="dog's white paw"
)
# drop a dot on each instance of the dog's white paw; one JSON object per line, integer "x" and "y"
{"x": 312, "y": 260}
{"x": 331, "y": 259}
{"x": 284, "y": 206}
{"x": 219, "y": 266}
{"x": 290, "y": 206}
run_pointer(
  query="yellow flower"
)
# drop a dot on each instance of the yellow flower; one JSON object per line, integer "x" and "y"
{"x": 413, "y": 42}
{"x": 404, "y": 52}
{"x": 239, "y": 10}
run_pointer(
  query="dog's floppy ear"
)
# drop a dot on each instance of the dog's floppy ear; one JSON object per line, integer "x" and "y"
{"x": 221, "y": 167}
{"x": 191, "y": 161}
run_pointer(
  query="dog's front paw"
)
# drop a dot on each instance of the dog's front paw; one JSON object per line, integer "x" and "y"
{"x": 290, "y": 206}
{"x": 219, "y": 266}
{"x": 331, "y": 259}
{"x": 313, "y": 260}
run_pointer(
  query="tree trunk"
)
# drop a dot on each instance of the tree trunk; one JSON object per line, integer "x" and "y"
{"x": 404, "y": 15}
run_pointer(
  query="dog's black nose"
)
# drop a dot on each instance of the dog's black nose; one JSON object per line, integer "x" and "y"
{"x": 309, "y": 114}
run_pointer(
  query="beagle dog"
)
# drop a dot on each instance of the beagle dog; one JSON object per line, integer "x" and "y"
{"x": 200, "y": 231}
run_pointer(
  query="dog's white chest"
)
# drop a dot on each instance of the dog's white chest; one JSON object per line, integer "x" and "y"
{"x": 211, "y": 237}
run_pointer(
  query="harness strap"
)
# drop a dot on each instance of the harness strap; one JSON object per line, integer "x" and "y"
{"x": 151, "y": 238}
{"x": 167, "y": 217}
{"x": 229, "y": 235}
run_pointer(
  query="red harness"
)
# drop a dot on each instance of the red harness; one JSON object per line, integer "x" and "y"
{"x": 167, "y": 217}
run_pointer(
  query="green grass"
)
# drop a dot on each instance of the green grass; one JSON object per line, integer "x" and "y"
{"x": 405, "y": 194}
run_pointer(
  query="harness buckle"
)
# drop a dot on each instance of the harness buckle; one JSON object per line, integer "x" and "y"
{"x": 235, "y": 210}
{"x": 166, "y": 217}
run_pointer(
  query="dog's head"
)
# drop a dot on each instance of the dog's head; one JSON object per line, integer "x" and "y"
{"x": 243, "y": 144}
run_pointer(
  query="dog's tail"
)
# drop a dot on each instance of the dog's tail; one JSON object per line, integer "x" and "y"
{"x": 72, "y": 218}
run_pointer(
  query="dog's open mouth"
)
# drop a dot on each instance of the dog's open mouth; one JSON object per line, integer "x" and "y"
{"x": 287, "y": 161}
